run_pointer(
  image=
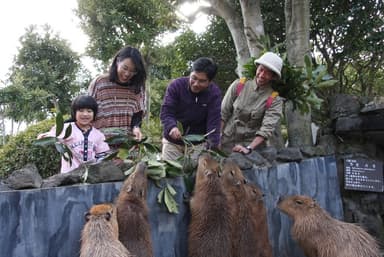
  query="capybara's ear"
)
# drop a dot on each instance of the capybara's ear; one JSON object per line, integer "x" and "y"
{"x": 87, "y": 216}
{"x": 107, "y": 216}
{"x": 129, "y": 189}
{"x": 313, "y": 203}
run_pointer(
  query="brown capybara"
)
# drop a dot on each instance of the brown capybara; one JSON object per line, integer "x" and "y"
{"x": 132, "y": 213}
{"x": 233, "y": 181}
{"x": 320, "y": 235}
{"x": 100, "y": 235}
{"x": 209, "y": 228}
{"x": 258, "y": 224}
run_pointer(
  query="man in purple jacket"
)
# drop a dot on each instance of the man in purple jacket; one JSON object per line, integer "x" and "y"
{"x": 195, "y": 102}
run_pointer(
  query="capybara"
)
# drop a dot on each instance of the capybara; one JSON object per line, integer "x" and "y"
{"x": 258, "y": 224}
{"x": 320, "y": 235}
{"x": 249, "y": 219}
{"x": 100, "y": 235}
{"x": 233, "y": 181}
{"x": 132, "y": 213}
{"x": 209, "y": 228}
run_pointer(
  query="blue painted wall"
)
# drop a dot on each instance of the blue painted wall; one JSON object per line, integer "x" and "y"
{"x": 48, "y": 222}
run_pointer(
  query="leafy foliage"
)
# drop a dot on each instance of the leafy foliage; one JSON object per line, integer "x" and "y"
{"x": 45, "y": 69}
{"x": 113, "y": 24}
{"x": 62, "y": 148}
{"x": 300, "y": 85}
{"x": 350, "y": 37}
{"x": 19, "y": 151}
{"x": 133, "y": 152}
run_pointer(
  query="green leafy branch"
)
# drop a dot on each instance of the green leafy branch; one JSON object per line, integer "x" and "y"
{"x": 300, "y": 85}
{"x": 62, "y": 148}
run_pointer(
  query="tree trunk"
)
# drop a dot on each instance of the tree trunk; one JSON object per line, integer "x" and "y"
{"x": 297, "y": 27}
{"x": 253, "y": 24}
{"x": 298, "y": 126}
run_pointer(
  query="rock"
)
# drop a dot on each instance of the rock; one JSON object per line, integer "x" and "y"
{"x": 343, "y": 105}
{"x": 289, "y": 154}
{"x": 26, "y": 177}
{"x": 104, "y": 172}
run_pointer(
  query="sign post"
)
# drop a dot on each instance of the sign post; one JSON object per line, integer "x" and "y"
{"x": 363, "y": 175}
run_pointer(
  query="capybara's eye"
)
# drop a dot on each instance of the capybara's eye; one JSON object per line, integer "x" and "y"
{"x": 299, "y": 202}
{"x": 87, "y": 216}
{"x": 108, "y": 216}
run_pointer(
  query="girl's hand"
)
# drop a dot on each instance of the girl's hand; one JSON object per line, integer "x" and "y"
{"x": 137, "y": 133}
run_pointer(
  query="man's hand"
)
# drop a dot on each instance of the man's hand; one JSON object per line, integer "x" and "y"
{"x": 175, "y": 133}
{"x": 241, "y": 149}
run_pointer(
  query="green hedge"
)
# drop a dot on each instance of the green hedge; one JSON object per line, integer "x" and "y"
{"x": 19, "y": 151}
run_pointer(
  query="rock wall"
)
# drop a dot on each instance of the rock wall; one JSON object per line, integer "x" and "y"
{"x": 48, "y": 222}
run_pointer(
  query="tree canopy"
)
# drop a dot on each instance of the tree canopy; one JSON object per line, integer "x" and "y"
{"x": 113, "y": 24}
{"x": 44, "y": 70}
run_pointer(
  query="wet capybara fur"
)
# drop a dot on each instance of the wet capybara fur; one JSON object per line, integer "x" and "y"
{"x": 100, "y": 235}
{"x": 132, "y": 213}
{"x": 320, "y": 235}
{"x": 209, "y": 228}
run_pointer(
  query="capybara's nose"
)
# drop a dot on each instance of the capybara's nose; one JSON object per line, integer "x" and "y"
{"x": 281, "y": 198}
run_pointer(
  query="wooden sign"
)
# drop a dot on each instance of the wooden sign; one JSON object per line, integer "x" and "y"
{"x": 363, "y": 175}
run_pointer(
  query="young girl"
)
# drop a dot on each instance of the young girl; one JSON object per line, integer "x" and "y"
{"x": 85, "y": 141}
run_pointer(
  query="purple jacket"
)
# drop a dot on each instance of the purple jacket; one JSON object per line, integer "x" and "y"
{"x": 198, "y": 113}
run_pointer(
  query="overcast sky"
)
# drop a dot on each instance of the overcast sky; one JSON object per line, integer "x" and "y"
{"x": 17, "y": 15}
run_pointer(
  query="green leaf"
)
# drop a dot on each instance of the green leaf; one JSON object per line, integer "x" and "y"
{"x": 171, "y": 189}
{"x": 174, "y": 164}
{"x": 173, "y": 172}
{"x": 328, "y": 83}
{"x": 59, "y": 123}
{"x": 151, "y": 147}
{"x": 160, "y": 196}
{"x": 123, "y": 153}
{"x": 194, "y": 138}
{"x": 308, "y": 67}
{"x": 130, "y": 170}
{"x": 170, "y": 202}
{"x": 156, "y": 172}
{"x": 45, "y": 141}
{"x": 154, "y": 163}
{"x": 180, "y": 127}
{"x": 68, "y": 132}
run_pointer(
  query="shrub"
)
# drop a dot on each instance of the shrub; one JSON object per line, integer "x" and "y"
{"x": 19, "y": 151}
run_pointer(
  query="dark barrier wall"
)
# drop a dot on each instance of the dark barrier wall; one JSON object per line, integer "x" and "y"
{"x": 48, "y": 222}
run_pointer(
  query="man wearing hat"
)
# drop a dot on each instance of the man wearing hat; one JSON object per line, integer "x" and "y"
{"x": 251, "y": 109}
